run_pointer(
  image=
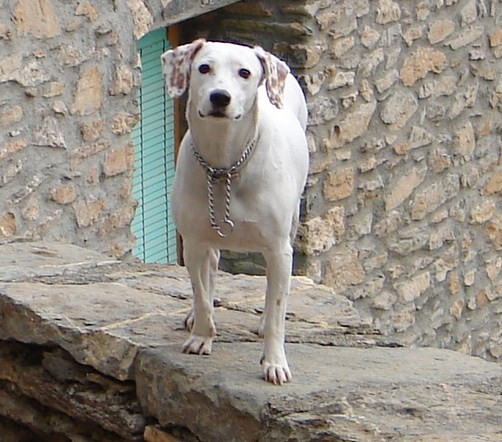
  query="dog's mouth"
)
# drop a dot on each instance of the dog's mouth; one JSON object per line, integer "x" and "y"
{"x": 217, "y": 113}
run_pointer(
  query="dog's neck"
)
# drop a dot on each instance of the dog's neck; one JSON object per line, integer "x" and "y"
{"x": 221, "y": 142}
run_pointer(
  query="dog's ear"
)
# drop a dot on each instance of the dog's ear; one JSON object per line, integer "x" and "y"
{"x": 276, "y": 72}
{"x": 176, "y": 65}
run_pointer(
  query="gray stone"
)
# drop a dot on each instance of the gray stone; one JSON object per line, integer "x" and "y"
{"x": 339, "y": 394}
{"x": 398, "y": 109}
{"x": 49, "y": 134}
{"x": 466, "y": 37}
{"x": 23, "y": 260}
{"x": 85, "y": 324}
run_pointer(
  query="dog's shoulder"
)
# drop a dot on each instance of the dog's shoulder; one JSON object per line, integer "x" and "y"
{"x": 294, "y": 103}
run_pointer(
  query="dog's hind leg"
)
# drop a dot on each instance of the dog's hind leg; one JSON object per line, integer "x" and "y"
{"x": 202, "y": 265}
{"x": 295, "y": 222}
{"x": 274, "y": 363}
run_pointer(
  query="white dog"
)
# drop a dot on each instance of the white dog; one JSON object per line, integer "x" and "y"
{"x": 240, "y": 174}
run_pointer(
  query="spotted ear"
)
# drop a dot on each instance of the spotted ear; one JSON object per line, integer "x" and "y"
{"x": 276, "y": 72}
{"x": 176, "y": 65}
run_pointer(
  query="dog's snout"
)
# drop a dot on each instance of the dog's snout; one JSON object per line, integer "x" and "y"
{"x": 220, "y": 98}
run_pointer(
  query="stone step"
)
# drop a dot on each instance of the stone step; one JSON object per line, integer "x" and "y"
{"x": 77, "y": 328}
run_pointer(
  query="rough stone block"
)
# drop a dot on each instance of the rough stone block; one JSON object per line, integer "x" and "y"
{"x": 413, "y": 33}
{"x": 322, "y": 110}
{"x": 124, "y": 122}
{"x": 464, "y": 141}
{"x": 443, "y": 86}
{"x": 494, "y": 184}
{"x": 469, "y": 13}
{"x": 354, "y": 124}
{"x": 319, "y": 234}
{"x": 87, "y": 211}
{"x": 7, "y": 225}
{"x": 91, "y": 130}
{"x": 340, "y": 46}
{"x": 340, "y": 79}
{"x": 36, "y": 17}
{"x": 86, "y": 9}
{"x": 70, "y": 55}
{"x": 343, "y": 268}
{"x": 10, "y": 115}
{"x": 496, "y": 38}
{"x": 493, "y": 229}
{"x": 123, "y": 81}
{"x": 433, "y": 195}
{"x": 369, "y": 37}
{"x": 49, "y": 134}
{"x": 387, "y": 81}
{"x": 439, "y": 30}
{"x": 387, "y": 11}
{"x": 339, "y": 185}
{"x": 411, "y": 290}
{"x": 370, "y": 63}
{"x": 12, "y": 147}
{"x": 53, "y": 89}
{"x": 403, "y": 187}
{"x": 118, "y": 160}
{"x": 483, "y": 211}
{"x": 87, "y": 97}
{"x": 340, "y": 21}
{"x": 398, "y": 109}
{"x": 63, "y": 194}
{"x": 466, "y": 37}
{"x": 464, "y": 98}
{"x": 420, "y": 62}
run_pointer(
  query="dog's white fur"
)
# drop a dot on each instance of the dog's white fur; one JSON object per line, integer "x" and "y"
{"x": 265, "y": 196}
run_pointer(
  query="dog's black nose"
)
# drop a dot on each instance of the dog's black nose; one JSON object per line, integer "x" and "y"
{"x": 220, "y": 98}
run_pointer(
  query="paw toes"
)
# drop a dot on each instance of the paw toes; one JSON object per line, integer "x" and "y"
{"x": 276, "y": 374}
{"x": 188, "y": 322}
{"x": 197, "y": 345}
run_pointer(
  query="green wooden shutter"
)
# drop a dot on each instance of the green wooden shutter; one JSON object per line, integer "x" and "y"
{"x": 153, "y": 139}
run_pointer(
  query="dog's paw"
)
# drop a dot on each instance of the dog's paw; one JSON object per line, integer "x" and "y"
{"x": 261, "y": 328}
{"x": 276, "y": 374}
{"x": 200, "y": 345}
{"x": 189, "y": 320}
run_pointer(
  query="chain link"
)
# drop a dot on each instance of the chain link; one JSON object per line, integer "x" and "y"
{"x": 213, "y": 174}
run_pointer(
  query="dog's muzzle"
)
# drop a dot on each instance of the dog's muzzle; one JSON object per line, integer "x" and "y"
{"x": 219, "y": 99}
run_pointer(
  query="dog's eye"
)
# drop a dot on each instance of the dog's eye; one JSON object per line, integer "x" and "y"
{"x": 244, "y": 73}
{"x": 204, "y": 68}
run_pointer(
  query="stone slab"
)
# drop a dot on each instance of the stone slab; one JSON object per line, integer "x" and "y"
{"x": 336, "y": 394}
{"x": 124, "y": 320}
{"x": 101, "y": 325}
{"x": 20, "y": 260}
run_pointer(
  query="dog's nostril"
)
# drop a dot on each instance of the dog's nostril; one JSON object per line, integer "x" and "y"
{"x": 220, "y": 98}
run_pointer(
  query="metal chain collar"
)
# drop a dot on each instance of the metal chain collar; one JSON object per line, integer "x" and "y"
{"x": 214, "y": 174}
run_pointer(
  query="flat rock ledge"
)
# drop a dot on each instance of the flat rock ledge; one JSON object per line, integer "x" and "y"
{"x": 90, "y": 351}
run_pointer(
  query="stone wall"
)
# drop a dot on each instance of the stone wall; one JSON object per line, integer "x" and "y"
{"x": 66, "y": 112}
{"x": 402, "y": 211}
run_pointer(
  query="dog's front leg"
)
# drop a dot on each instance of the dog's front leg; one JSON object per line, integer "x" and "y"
{"x": 274, "y": 363}
{"x": 202, "y": 265}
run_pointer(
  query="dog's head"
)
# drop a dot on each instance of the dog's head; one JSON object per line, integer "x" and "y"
{"x": 223, "y": 78}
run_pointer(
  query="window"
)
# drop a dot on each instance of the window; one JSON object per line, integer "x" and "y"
{"x": 153, "y": 139}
